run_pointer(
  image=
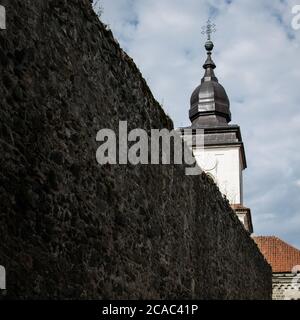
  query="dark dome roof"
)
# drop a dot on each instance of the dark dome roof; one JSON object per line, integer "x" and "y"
{"x": 209, "y": 90}
{"x": 211, "y": 96}
{"x": 209, "y": 101}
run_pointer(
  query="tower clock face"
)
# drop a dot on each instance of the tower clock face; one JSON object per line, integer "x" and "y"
{"x": 209, "y": 162}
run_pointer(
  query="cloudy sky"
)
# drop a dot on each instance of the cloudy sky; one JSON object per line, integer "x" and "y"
{"x": 257, "y": 56}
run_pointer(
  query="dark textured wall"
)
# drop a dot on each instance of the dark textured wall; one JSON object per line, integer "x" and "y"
{"x": 70, "y": 228}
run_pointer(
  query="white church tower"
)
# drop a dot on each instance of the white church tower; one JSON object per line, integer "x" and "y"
{"x": 224, "y": 155}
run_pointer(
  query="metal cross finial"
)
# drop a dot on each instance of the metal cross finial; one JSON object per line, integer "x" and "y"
{"x": 209, "y": 29}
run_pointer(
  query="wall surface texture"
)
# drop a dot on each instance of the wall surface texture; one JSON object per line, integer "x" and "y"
{"x": 70, "y": 228}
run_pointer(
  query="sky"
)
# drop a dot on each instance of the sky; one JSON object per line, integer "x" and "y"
{"x": 257, "y": 56}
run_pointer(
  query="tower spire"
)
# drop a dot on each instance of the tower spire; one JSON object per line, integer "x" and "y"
{"x": 209, "y": 65}
{"x": 209, "y": 101}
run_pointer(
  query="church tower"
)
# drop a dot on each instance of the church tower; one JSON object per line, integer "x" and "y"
{"x": 224, "y": 155}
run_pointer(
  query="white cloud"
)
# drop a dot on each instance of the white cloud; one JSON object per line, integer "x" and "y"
{"x": 257, "y": 57}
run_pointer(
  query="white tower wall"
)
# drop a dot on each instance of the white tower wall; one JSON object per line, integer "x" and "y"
{"x": 224, "y": 164}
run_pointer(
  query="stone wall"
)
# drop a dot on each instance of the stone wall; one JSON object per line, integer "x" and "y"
{"x": 70, "y": 228}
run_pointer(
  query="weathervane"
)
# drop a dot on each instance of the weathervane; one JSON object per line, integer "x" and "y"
{"x": 208, "y": 30}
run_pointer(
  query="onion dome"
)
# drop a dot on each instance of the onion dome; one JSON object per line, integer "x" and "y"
{"x": 209, "y": 101}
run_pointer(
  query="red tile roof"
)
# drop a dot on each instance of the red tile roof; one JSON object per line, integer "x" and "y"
{"x": 281, "y": 256}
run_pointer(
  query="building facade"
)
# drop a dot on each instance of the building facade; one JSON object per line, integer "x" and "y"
{"x": 285, "y": 262}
